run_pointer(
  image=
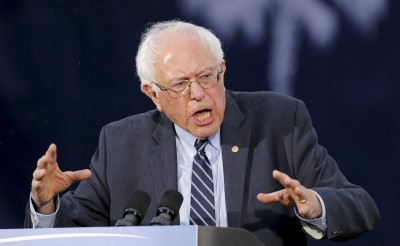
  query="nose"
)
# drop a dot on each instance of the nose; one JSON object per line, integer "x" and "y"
{"x": 196, "y": 91}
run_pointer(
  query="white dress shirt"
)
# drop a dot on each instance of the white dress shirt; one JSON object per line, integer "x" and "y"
{"x": 185, "y": 154}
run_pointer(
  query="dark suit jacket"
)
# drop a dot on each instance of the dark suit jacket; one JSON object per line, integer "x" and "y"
{"x": 272, "y": 132}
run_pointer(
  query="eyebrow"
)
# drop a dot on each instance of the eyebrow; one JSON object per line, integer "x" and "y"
{"x": 209, "y": 69}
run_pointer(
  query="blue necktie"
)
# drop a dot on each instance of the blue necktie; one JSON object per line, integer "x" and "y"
{"x": 202, "y": 206}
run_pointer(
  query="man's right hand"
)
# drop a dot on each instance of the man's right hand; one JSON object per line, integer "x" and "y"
{"x": 48, "y": 180}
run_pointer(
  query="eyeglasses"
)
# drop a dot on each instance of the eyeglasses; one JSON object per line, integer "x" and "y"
{"x": 181, "y": 88}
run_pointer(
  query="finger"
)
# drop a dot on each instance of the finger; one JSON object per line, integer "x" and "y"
{"x": 276, "y": 196}
{"x": 45, "y": 163}
{"x": 36, "y": 185}
{"x": 293, "y": 187}
{"x": 82, "y": 174}
{"x": 41, "y": 163}
{"x": 285, "y": 180}
{"x": 38, "y": 174}
{"x": 52, "y": 152}
{"x": 79, "y": 175}
{"x": 49, "y": 158}
{"x": 280, "y": 176}
{"x": 301, "y": 194}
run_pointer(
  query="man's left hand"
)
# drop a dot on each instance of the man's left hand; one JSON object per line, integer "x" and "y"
{"x": 305, "y": 200}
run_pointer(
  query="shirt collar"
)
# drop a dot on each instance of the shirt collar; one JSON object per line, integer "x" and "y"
{"x": 189, "y": 139}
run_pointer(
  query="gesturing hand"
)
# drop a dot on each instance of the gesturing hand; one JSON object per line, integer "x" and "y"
{"x": 48, "y": 180}
{"x": 294, "y": 195}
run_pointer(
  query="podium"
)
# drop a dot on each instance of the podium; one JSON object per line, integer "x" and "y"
{"x": 141, "y": 235}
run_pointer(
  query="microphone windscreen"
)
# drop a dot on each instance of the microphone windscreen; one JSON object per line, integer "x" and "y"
{"x": 140, "y": 200}
{"x": 172, "y": 199}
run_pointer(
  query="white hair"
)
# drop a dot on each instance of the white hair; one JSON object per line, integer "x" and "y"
{"x": 149, "y": 49}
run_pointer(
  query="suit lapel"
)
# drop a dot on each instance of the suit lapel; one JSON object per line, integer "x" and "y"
{"x": 162, "y": 159}
{"x": 235, "y": 147}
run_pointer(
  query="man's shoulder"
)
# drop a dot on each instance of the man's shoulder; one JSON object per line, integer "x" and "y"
{"x": 136, "y": 123}
{"x": 258, "y": 99}
{"x": 264, "y": 112}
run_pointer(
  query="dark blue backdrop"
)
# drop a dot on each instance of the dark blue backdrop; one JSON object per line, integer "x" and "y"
{"x": 67, "y": 69}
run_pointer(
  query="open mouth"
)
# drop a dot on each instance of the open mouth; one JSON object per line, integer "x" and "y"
{"x": 203, "y": 117}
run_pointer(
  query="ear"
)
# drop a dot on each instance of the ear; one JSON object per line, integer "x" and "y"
{"x": 154, "y": 96}
{"x": 223, "y": 65}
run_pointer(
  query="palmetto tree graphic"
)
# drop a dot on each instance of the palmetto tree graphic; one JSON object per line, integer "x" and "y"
{"x": 319, "y": 20}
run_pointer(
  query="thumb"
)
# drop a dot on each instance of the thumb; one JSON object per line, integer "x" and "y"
{"x": 270, "y": 197}
{"x": 80, "y": 175}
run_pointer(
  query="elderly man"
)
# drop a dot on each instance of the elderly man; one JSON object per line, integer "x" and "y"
{"x": 245, "y": 139}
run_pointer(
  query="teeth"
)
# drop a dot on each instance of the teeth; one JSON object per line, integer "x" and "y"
{"x": 204, "y": 116}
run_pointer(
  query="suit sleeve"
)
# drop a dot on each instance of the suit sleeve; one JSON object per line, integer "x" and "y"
{"x": 89, "y": 204}
{"x": 350, "y": 209}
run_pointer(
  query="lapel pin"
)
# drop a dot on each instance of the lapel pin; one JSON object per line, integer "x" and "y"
{"x": 235, "y": 149}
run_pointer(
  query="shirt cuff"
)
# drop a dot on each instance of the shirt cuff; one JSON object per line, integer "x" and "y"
{"x": 43, "y": 220}
{"x": 316, "y": 228}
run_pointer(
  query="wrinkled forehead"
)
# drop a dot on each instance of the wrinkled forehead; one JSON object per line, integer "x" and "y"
{"x": 183, "y": 54}
{"x": 172, "y": 42}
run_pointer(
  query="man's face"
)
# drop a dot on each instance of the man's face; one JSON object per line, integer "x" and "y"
{"x": 184, "y": 57}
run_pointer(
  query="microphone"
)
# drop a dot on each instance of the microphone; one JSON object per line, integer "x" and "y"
{"x": 135, "y": 209}
{"x": 168, "y": 208}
